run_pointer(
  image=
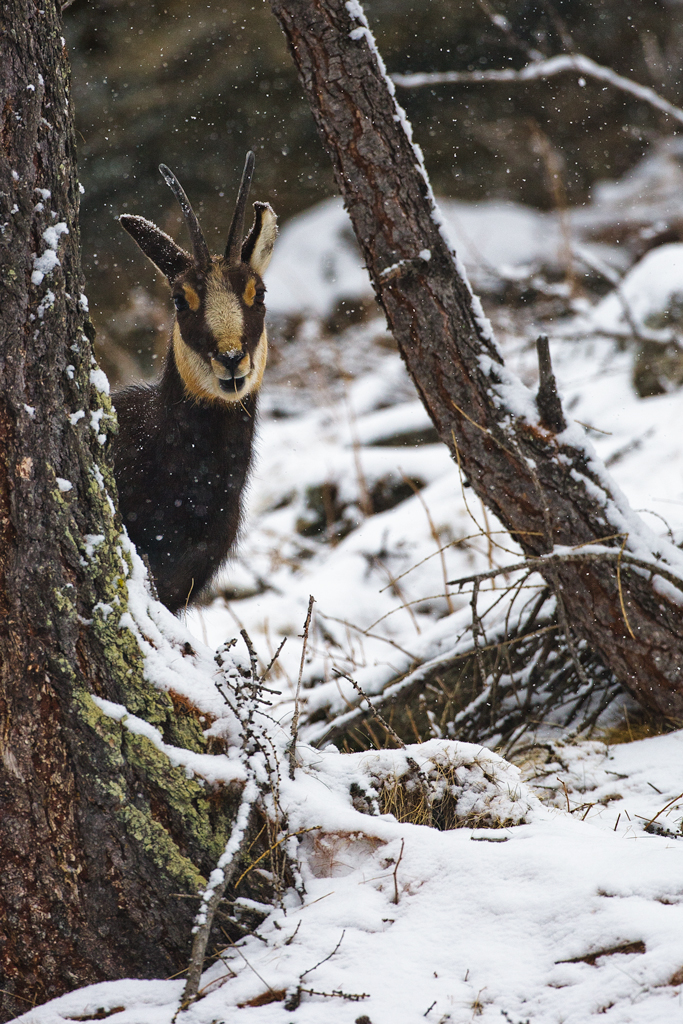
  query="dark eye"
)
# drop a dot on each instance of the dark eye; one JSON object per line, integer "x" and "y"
{"x": 260, "y": 296}
{"x": 180, "y": 302}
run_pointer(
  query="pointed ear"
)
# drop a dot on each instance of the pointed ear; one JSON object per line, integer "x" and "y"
{"x": 258, "y": 246}
{"x": 157, "y": 246}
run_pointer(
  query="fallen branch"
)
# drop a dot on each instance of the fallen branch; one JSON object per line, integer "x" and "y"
{"x": 526, "y": 676}
{"x": 595, "y": 553}
{"x": 573, "y": 63}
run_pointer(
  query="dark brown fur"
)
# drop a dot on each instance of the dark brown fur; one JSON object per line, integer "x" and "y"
{"x": 180, "y": 469}
{"x": 183, "y": 451}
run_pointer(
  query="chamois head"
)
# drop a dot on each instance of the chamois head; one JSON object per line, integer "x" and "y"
{"x": 219, "y": 337}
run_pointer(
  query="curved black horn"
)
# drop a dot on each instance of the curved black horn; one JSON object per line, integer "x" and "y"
{"x": 201, "y": 250}
{"x": 233, "y": 248}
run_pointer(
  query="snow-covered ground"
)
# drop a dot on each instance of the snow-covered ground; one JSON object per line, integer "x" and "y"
{"x": 572, "y": 910}
{"x": 557, "y": 920}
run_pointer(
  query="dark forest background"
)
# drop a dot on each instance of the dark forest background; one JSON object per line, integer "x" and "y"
{"x": 195, "y": 85}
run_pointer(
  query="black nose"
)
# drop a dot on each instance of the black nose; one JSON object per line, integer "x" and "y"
{"x": 230, "y": 361}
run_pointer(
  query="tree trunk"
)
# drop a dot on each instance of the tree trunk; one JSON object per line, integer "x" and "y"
{"x": 98, "y": 832}
{"x": 547, "y": 489}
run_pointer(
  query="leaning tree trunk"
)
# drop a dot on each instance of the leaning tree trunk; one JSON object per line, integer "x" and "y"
{"x": 546, "y": 489}
{"x": 99, "y": 834}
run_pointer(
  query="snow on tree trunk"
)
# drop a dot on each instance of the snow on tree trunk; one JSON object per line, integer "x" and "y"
{"x": 549, "y": 490}
{"x": 98, "y": 832}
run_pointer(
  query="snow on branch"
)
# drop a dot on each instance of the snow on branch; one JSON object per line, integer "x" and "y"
{"x": 575, "y": 63}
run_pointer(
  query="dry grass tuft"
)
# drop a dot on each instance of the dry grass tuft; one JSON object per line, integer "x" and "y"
{"x": 448, "y": 792}
{"x": 637, "y": 724}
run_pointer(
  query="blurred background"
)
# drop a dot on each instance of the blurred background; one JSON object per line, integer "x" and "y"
{"x": 195, "y": 85}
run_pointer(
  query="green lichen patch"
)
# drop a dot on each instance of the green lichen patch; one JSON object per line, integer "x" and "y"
{"x": 159, "y": 848}
{"x": 185, "y": 800}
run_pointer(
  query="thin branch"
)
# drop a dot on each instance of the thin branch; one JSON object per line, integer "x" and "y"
{"x": 274, "y": 846}
{"x": 393, "y": 583}
{"x": 621, "y": 592}
{"x": 365, "y": 632}
{"x": 460, "y": 542}
{"x": 274, "y": 658}
{"x": 594, "y": 263}
{"x": 476, "y": 630}
{"x": 346, "y": 720}
{"x": 324, "y": 959}
{"x": 502, "y": 23}
{"x": 251, "y": 968}
{"x": 566, "y": 628}
{"x": 575, "y": 63}
{"x": 295, "y": 718}
{"x": 374, "y": 712}
{"x": 253, "y": 657}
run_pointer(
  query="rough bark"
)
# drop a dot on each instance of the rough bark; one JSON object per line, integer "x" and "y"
{"x": 98, "y": 832}
{"x": 546, "y": 490}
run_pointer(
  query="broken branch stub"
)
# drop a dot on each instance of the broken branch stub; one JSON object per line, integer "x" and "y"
{"x": 547, "y": 399}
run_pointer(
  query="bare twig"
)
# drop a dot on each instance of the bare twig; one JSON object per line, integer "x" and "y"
{"x": 395, "y": 900}
{"x": 325, "y": 958}
{"x": 251, "y": 968}
{"x": 476, "y": 630}
{"x": 566, "y": 629}
{"x": 435, "y": 536}
{"x": 274, "y": 846}
{"x": 420, "y": 600}
{"x": 502, "y": 23}
{"x": 295, "y": 717}
{"x": 364, "y": 499}
{"x": 274, "y": 658}
{"x": 405, "y": 604}
{"x": 189, "y": 595}
{"x": 253, "y": 657}
{"x": 365, "y": 632}
{"x": 375, "y": 713}
{"x": 352, "y": 997}
{"x": 614, "y": 279}
{"x": 245, "y": 698}
{"x": 621, "y": 592}
{"x": 664, "y": 808}
{"x": 460, "y": 542}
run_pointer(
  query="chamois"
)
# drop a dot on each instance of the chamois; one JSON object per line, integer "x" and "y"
{"x": 182, "y": 454}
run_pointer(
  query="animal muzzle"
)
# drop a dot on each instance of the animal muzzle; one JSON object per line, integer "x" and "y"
{"x": 232, "y": 370}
